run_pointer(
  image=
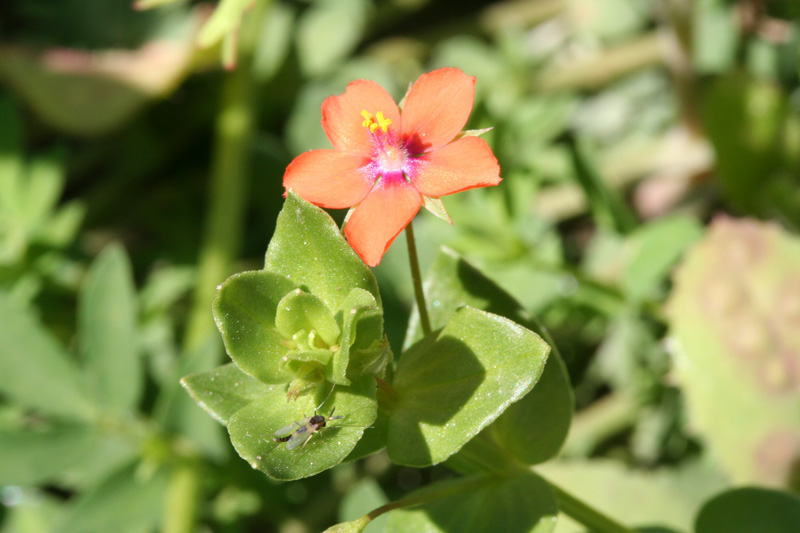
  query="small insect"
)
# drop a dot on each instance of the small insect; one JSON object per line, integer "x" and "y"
{"x": 300, "y": 432}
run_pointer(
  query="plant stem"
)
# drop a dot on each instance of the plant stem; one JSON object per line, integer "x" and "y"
{"x": 182, "y": 495}
{"x": 417, "y": 279}
{"x": 230, "y": 167}
{"x": 594, "y": 520}
{"x": 429, "y": 494}
{"x": 227, "y": 199}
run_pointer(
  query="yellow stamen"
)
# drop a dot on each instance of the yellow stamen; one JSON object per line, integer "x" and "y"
{"x": 370, "y": 122}
{"x": 367, "y": 118}
{"x": 383, "y": 122}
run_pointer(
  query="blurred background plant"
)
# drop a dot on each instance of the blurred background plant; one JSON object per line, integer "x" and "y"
{"x": 648, "y": 215}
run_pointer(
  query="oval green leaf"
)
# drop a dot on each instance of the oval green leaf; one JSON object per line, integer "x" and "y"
{"x": 253, "y": 428}
{"x": 750, "y": 509}
{"x": 66, "y": 455}
{"x": 300, "y": 310}
{"x": 35, "y": 371}
{"x": 518, "y": 504}
{"x": 225, "y": 390}
{"x": 328, "y": 32}
{"x": 456, "y": 381}
{"x": 535, "y": 428}
{"x": 737, "y": 355}
{"x": 107, "y": 329}
{"x": 123, "y": 502}
{"x": 309, "y": 249}
{"x": 362, "y": 336}
{"x": 244, "y": 310}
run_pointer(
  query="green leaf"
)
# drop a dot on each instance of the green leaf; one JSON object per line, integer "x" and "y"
{"x": 274, "y": 40}
{"x": 718, "y": 23}
{"x": 750, "y": 509}
{"x": 124, "y": 502}
{"x": 609, "y": 210}
{"x": 373, "y": 440}
{"x": 669, "y": 497}
{"x": 361, "y": 345}
{"x": 252, "y": 429}
{"x": 328, "y": 31}
{"x": 107, "y": 331}
{"x": 309, "y": 249}
{"x": 534, "y": 428}
{"x": 225, "y": 20}
{"x": 62, "y": 226}
{"x": 744, "y": 120}
{"x": 732, "y": 313}
{"x": 450, "y": 283}
{"x": 301, "y": 311}
{"x": 225, "y": 390}
{"x": 44, "y": 184}
{"x": 474, "y": 133}
{"x": 652, "y": 251}
{"x": 34, "y": 370}
{"x": 608, "y": 20}
{"x": 30, "y": 510}
{"x": 91, "y": 101}
{"x": 436, "y": 207}
{"x": 522, "y": 503}
{"x": 177, "y": 413}
{"x": 456, "y": 381}
{"x": 66, "y": 454}
{"x": 245, "y": 310}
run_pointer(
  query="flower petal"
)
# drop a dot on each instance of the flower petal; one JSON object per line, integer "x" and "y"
{"x": 464, "y": 164}
{"x": 437, "y": 108}
{"x": 383, "y": 214}
{"x": 341, "y": 115}
{"x": 329, "y": 178}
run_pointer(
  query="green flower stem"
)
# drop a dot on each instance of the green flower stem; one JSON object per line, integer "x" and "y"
{"x": 227, "y": 199}
{"x": 429, "y": 494}
{"x": 182, "y": 497}
{"x": 230, "y": 168}
{"x": 592, "y": 519}
{"x": 416, "y": 276}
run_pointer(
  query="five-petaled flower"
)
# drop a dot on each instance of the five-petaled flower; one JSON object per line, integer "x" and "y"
{"x": 383, "y": 162}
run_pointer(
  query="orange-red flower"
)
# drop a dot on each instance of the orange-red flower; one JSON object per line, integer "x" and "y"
{"x": 384, "y": 161}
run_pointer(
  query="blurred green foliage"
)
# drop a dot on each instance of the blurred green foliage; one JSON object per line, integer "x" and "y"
{"x": 623, "y": 129}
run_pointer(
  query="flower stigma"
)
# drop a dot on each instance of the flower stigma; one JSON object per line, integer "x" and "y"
{"x": 389, "y": 155}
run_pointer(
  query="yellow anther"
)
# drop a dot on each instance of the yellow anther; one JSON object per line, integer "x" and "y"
{"x": 383, "y": 122}
{"x": 372, "y": 124}
{"x": 367, "y": 118}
